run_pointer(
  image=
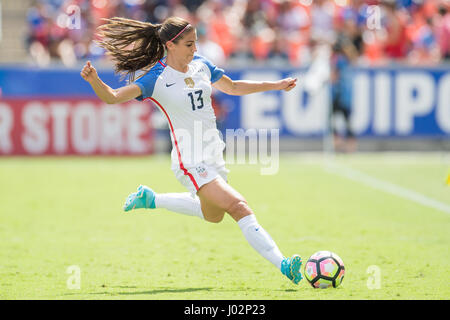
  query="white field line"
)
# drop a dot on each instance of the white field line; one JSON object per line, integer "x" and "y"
{"x": 386, "y": 186}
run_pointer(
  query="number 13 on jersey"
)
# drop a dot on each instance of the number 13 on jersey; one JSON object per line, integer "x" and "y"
{"x": 197, "y": 101}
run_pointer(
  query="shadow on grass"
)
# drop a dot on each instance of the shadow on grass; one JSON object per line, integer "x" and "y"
{"x": 166, "y": 290}
{"x": 176, "y": 290}
{"x": 155, "y": 291}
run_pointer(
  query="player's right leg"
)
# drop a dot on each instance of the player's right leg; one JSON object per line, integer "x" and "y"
{"x": 220, "y": 195}
{"x": 290, "y": 267}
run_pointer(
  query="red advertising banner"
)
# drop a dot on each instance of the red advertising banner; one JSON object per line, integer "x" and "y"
{"x": 74, "y": 126}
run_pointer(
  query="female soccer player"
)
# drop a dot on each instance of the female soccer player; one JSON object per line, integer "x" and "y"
{"x": 179, "y": 83}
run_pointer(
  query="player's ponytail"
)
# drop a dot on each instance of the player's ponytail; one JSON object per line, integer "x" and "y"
{"x": 134, "y": 45}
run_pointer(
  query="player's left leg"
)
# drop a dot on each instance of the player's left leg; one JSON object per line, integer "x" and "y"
{"x": 224, "y": 197}
{"x": 144, "y": 197}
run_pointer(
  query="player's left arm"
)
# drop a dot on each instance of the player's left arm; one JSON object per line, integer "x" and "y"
{"x": 242, "y": 87}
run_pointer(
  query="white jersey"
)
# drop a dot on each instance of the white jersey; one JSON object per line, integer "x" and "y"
{"x": 185, "y": 100}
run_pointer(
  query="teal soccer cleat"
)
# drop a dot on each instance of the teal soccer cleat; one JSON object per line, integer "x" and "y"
{"x": 143, "y": 198}
{"x": 290, "y": 267}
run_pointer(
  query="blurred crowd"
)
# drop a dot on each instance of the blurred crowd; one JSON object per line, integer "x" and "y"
{"x": 268, "y": 32}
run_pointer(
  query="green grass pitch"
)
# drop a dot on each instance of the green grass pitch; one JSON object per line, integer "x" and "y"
{"x": 62, "y": 212}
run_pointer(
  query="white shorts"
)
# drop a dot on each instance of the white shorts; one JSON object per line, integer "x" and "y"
{"x": 194, "y": 177}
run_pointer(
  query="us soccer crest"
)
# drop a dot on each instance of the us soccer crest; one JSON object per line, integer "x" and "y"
{"x": 201, "y": 170}
{"x": 189, "y": 82}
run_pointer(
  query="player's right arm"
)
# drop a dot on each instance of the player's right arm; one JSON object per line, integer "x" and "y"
{"x": 105, "y": 92}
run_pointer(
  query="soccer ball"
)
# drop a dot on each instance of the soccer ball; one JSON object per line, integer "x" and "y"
{"x": 324, "y": 269}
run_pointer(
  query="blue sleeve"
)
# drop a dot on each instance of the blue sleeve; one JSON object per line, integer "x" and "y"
{"x": 147, "y": 83}
{"x": 216, "y": 72}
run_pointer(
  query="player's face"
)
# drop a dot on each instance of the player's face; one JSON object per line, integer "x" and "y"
{"x": 186, "y": 47}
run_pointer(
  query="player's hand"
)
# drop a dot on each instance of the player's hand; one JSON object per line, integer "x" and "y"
{"x": 88, "y": 72}
{"x": 288, "y": 84}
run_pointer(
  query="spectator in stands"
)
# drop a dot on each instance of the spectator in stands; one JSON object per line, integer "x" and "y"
{"x": 424, "y": 47}
{"x": 38, "y": 38}
{"x": 219, "y": 28}
{"x": 443, "y": 30}
{"x": 396, "y": 43}
{"x": 242, "y": 56}
{"x": 322, "y": 21}
{"x": 277, "y": 55}
{"x": 208, "y": 48}
{"x": 292, "y": 16}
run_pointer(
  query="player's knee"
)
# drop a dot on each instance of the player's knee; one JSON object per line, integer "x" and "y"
{"x": 239, "y": 209}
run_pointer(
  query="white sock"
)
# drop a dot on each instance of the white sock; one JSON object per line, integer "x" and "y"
{"x": 182, "y": 203}
{"x": 260, "y": 240}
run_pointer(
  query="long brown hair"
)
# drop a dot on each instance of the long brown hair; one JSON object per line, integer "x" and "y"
{"x": 136, "y": 45}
